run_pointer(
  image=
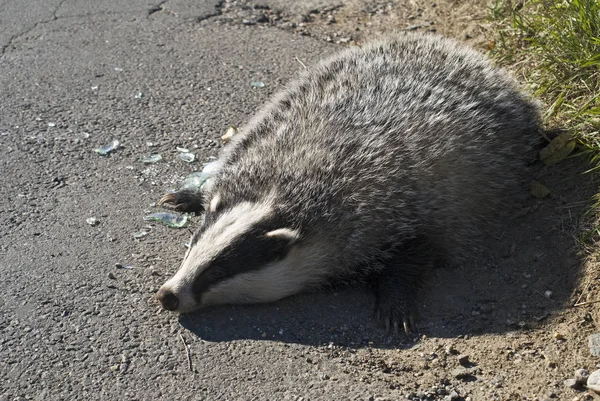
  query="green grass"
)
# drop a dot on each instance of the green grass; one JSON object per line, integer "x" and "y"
{"x": 554, "y": 45}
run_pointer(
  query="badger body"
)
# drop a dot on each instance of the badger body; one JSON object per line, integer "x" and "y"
{"x": 378, "y": 163}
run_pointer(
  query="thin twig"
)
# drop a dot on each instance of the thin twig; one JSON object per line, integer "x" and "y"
{"x": 187, "y": 352}
{"x": 587, "y": 303}
{"x": 587, "y": 287}
{"x": 300, "y": 61}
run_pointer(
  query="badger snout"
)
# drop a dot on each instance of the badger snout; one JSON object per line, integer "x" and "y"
{"x": 168, "y": 300}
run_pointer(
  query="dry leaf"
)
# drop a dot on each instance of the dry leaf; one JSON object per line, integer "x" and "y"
{"x": 558, "y": 149}
{"x": 539, "y": 190}
{"x": 231, "y": 131}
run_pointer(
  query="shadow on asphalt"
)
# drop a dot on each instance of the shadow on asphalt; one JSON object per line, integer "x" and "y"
{"x": 520, "y": 281}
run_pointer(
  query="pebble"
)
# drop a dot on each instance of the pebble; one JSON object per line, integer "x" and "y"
{"x": 559, "y": 336}
{"x": 453, "y": 396}
{"x": 594, "y": 344}
{"x": 571, "y": 383}
{"x": 92, "y": 221}
{"x": 463, "y": 359}
{"x": 581, "y": 375}
{"x": 450, "y": 350}
{"x": 323, "y": 376}
{"x": 112, "y": 276}
{"x": 123, "y": 368}
{"x": 463, "y": 373}
{"x": 593, "y": 381}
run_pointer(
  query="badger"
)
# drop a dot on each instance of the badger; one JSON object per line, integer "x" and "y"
{"x": 376, "y": 165}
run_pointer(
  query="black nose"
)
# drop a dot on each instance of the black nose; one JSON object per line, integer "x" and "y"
{"x": 168, "y": 300}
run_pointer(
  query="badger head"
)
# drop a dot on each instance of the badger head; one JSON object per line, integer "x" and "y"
{"x": 244, "y": 253}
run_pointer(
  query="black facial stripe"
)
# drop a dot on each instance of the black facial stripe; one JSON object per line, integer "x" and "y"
{"x": 252, "y": 251}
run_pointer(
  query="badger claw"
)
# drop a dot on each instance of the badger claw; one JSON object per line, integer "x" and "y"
{"x": 167, "y": 198}
{"x": 409, "y": 325}
{"x": 397, "y": 318}
{"x": 398, "y": 281}
{"x": 184, "y": 201}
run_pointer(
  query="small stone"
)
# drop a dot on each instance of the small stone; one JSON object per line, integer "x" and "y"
{"x": 453, "y": 396}
{"x": 323, "y": 376}
{"x": 464, "y": 373}
{"x": 92, "y": 221}
{"x": 450, "y": 350}
{"x": 548, "y": 294}
{"x": 594, "y": 344}
{"x": 581, "y": 375}
{"x": 123, "y": 367}
{"x": 571, "y": 383}
{"x": 111, "y": 276}
{"x": 593, "y": 381}
{"x": 560, "y": 337}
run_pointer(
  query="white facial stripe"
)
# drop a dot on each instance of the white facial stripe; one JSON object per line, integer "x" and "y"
{"x": 300, "y": 270}
{"x": 232, "y": 224}
{"x": 287, "y": 233}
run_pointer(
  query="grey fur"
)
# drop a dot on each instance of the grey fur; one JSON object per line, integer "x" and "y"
{"x": 411, "y": 137}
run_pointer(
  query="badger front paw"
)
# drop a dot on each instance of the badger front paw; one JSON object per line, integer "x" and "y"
{"x": 396, "y": 311}
{"x": 398, "y": 282}
{"x": 184, "y": 200}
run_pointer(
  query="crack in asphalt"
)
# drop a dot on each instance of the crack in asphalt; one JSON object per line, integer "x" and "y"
{"x": 218, "y": 12}
{"x": 16, "y": 36}
{"x": 156, "y": 8}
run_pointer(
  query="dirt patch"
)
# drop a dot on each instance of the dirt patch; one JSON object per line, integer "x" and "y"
{"x": 354, "y": 21}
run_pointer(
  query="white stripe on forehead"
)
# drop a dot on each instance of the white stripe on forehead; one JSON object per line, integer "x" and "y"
{"x": 230, "y": 225}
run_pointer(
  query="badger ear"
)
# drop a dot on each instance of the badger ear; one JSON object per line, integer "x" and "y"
{"x": 285, "y": 234}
